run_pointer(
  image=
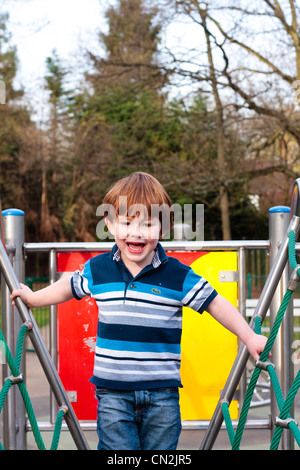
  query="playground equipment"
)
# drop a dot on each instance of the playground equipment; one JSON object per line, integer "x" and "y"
{"x": 39, "y": 346}
{"x": 202, "y": 337}
{"x": 277, "y": 269}
{"x": 284, "y": 229}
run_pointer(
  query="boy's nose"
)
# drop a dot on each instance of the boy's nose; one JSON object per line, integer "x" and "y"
{"x": 134, "y": 229}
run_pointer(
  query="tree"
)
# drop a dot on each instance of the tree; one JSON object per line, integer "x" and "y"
{"x": 131, "y": 47}
{"x": 210, "y": 76}
{"x": 138, "y": 128}
{"x": 120, "y": 114}
{"x": 15, "y": 126}
{"x": 261, "y": 79}
{"x": 236, "y": 62}
{"x": 54, "y": 150}
{"x": 222, "y": 164}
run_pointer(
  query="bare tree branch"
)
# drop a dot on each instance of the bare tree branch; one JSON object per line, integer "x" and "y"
{"x": 290, "y": 79}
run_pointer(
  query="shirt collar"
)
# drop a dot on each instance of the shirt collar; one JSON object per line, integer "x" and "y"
{"x": 159, "y": 256}
{"x": 115, "y": 253}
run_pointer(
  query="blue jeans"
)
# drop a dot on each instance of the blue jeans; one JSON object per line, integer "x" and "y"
{"x": 138, "y": 420}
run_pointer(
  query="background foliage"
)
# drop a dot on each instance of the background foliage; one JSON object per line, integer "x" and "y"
{"x": 215, "y": 121}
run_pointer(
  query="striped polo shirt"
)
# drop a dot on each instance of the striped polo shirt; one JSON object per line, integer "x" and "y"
{"x": 140, "y": 318}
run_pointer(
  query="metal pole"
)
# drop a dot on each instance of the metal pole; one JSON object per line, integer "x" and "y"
{"x": 14, "y": 412}
{"x": 243, "y": 355}
{"x": 287, "y": 363}
{"x": 174, "y": 245}
{"x": 42, "y": 353}
{"x": 279, "y": 218}
{"x": 53, "y": 331}
{"x": 9, "y": 427}
{"x": 242, "y": 310}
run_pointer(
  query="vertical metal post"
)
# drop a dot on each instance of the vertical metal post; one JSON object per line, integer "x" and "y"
{"x": 42, "y": 353}
{"x": 14, "y": 412}
{"x": 287, "y": 439}
{"x": 279, "y": 218}
{"x": 242, "y": 310}
{"x": 53, "y": 331}
{"x": 9, "y": 427}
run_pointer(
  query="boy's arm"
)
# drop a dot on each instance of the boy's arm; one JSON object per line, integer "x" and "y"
{"x": 58, "y": 292}
{"x": 226, "y": 314}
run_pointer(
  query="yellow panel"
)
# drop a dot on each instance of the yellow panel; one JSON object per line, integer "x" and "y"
{"x": 208, "y": 349}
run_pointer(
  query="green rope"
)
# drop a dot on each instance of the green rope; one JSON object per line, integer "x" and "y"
{"x": 292, "y": 250}
{"x": 278, "y": 320}
{"x": 245, "y": 408}
{"x": 14, "y": 364}
{"x": 257, "y": 325}
{"x": 276, "y": 386}
{"x": 8, "y": 383}
{"x": 284, "y": 405}
{"x": 295, "y": 431}
{"x": 228, "y": 422}
{"x": 284, "y": 414}
{"x": 3, "y": 393}
{"x": 57, "y": 429}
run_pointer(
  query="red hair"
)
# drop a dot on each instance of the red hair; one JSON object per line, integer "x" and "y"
{"x": 139, "y": 188}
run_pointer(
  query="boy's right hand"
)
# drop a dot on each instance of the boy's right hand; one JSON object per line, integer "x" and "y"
{"x": 25, "y": 294}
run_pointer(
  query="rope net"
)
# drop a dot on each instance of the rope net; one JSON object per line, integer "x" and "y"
{"x": 284, "y": 419}
{"x": 17, "y": 379}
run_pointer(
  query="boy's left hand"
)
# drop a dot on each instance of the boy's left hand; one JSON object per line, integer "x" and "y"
{"x": 256, "y": 344}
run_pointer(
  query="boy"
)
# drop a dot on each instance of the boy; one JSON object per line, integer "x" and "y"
{"x": 140, "y": 293}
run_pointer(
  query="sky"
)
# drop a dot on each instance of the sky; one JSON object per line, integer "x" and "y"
{"x": 39, "y": 26}
{"x": 68, "y": 26}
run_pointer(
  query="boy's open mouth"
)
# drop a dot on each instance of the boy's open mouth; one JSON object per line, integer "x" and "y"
{"x": 135, "y": 247}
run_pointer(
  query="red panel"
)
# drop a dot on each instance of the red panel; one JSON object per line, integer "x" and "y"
{"x": 77, "y": 327}
{"x": 186, "y": 257}
{"x": 69, "y": 262}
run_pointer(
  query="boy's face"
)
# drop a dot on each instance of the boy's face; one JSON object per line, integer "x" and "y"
{"x": 136, "y": 238}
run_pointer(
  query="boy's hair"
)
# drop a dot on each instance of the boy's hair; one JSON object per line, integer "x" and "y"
{"x": 138, "y": 189}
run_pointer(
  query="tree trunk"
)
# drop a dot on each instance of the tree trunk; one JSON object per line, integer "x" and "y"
{"x": 45, "y": 221}
{"x": 222, "y": 166}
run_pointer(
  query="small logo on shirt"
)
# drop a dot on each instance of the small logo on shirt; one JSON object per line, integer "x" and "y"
{"x": 155, "y": 291}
